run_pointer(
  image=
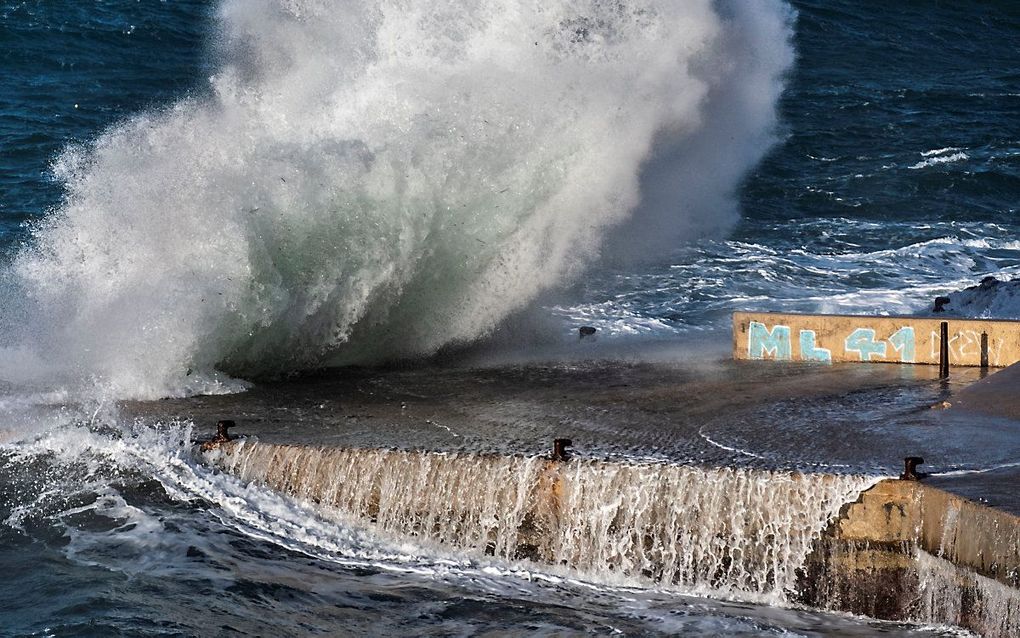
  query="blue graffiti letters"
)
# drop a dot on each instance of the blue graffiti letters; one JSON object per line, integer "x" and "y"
{"x": 809, "y": 351}
{"x": 762, "y": 342}
{"x": 862, "y": 341}
{"x": 903, "y": 342}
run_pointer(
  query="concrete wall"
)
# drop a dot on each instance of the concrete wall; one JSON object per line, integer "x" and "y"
{"x": 849, "y": 338}
{"x": 905, "y": 551}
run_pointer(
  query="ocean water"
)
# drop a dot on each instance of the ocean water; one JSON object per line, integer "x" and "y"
{"x": 200, "y": 196}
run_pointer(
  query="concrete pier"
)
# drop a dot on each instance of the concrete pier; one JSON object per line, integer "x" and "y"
{"x": 852, "y": 338}
{"x": 907, "y": 551}
{"x": 899, "y": 550}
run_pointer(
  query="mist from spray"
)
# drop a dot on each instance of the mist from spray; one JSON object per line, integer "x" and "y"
{"x": 380, "y": 179}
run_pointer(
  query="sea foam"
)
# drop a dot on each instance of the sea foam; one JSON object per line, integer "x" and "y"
{"x": 375, "y": 180}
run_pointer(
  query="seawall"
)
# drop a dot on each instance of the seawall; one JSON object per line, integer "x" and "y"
{"x": 907, "y": 551}
{"x": 896, "y": 550}
{"x": 853, "y": 338}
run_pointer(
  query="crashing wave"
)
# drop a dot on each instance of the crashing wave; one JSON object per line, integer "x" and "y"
{"x": 377, "y": 180}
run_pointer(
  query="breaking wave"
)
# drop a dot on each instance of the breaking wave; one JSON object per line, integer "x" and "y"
{"x": 378, "y": 180}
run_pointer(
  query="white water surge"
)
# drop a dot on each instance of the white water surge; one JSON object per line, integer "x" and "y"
{"x": 738, "y": 534}
{"x": 373, "y": 179}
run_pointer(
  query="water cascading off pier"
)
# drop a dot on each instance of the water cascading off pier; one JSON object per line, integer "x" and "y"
{"x": 738, "y": 532}
{"x": 783, "y": 538}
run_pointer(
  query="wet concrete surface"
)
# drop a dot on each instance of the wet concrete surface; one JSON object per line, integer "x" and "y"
{"x": 842, "y": 418}
{"x": 996, "y": 395}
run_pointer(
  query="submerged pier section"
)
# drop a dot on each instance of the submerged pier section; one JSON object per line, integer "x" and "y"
{"x": 889, "y": 549}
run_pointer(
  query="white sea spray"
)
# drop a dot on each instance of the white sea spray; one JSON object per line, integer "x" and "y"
{"x": 376, "y": 179}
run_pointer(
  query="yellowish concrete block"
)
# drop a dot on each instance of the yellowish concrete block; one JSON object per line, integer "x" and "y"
{"x": 852, "y": 338}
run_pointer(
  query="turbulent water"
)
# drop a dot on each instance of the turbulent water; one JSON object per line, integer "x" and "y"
{"x": 198, "y": 195}
{"x": 282, "y": 186}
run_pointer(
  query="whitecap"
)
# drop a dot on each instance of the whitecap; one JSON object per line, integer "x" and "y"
{"x": 940, "y": 159}
{"x": 940, "y": 151}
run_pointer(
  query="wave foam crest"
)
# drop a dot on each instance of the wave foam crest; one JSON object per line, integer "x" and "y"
{"x": 378, "y": 179}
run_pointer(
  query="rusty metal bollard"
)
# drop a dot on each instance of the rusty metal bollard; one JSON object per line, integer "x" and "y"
{"x": 910, "y": 472}
{"x": 560, "y": 452}
{"x": 222, "y": 435}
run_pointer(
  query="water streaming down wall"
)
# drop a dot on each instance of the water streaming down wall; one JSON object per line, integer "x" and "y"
{"x": 896, "y": 550}
{"x": 949, "y": 594}
{"x": 733, "y": 533}
{"x": 907, "y": 551}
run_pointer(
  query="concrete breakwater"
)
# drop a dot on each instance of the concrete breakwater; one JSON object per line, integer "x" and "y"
{"x": 907, "y": 551}
{"x": 893, "y": 549}
{"x": 853, "y": 338}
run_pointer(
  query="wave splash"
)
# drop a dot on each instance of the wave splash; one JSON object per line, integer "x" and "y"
{"x": 380, "y": 180}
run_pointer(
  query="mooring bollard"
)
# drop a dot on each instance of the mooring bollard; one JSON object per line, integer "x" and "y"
{"x": 944, "y": 350}
{"x": 560, "y": 452}
{"x": 910, "y": 472}
{"x": 221, "y": 430}
{"x": 222, "y": 435}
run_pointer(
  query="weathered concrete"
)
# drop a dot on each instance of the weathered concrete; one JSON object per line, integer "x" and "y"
{"x": 995, "y": 395}
{"x": 906, "y": 551}
{"x": 901, "y": 551}
{"x": 850, "y": 338}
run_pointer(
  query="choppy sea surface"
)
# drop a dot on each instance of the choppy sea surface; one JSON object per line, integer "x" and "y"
{"x": 195, "y": 196}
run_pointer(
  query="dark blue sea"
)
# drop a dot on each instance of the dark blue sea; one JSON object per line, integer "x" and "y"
{"x": 198, "y": 197}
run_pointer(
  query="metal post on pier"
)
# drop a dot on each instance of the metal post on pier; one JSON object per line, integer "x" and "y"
{"x": 944, "y": 350}
{"x": 560, "y": 452}
{"x": 984, "y": 352}
{"x": 910, "y": 472}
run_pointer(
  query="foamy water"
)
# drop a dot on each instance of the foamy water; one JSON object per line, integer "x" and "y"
{"x": 841, "y": 266}
{"x": 739, "y": 534}
{"x": 132, "y": 510}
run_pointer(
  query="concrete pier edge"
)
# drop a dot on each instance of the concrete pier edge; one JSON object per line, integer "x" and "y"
{"x": 874, "y": 559}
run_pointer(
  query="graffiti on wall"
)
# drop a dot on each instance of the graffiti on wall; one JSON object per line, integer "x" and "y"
{"x": 965, "y": 344}
{"x": 863, "y": 342}
{"x": 809, "y": 351}
{"x": 776, "y": 343}
{"x": 763, "y": 343}
{"x": 830, "y": 338}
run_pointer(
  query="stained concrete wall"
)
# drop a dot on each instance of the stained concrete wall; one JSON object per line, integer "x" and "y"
{"x": 906, "y": 551}
{"x": 982, "y": 539}
{"x": 849, "y": 338}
